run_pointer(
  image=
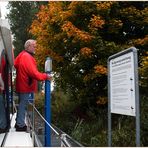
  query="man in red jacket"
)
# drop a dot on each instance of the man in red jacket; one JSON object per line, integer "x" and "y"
{"x": 27, "y": 75}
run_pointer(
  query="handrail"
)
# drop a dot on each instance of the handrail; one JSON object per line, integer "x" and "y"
{"x": 4, "y": 140}
{"x": 5, "y": 137}
{"x": 43, "y": 118}
{"x": 14, "y": 106}
{"x": 66, "y": 140}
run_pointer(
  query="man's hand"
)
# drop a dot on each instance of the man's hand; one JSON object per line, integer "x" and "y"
{"x": 49, "y": 77}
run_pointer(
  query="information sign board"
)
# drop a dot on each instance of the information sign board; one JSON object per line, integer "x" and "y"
{"x": 123, "y": 90}
{"x": 122, "y": 84}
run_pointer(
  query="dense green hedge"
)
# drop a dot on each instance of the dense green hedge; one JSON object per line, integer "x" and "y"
{"x": 90, "y": 128}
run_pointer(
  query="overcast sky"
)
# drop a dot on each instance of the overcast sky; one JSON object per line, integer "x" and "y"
{"x": 4, "y": 11}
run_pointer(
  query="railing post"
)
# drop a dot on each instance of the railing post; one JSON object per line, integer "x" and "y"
{"x": 33, "y": 126}
{"x": 48, "y": 69}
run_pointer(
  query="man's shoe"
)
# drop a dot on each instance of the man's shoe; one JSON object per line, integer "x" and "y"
{"x": 3, "y": 130}
{"x": 21, "y": 129}
{"x": 16, "y": 125}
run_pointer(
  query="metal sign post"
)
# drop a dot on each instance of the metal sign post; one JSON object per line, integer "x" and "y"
{"x": 48, "y": 69}
{"x": 123, "y": 90}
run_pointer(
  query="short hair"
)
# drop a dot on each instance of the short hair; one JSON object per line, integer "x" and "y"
{"x": 28, "y": 43}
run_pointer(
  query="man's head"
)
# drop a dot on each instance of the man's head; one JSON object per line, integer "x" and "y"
{"x": 30, "y": 45}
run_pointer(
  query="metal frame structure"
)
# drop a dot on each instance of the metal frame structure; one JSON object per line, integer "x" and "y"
{"x": 134, "y": 50}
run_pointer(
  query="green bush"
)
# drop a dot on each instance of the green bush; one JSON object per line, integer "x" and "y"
{"x": 40, "y": 102}
{"x": 144, "y": 120}
{"x": 93, "y": 130}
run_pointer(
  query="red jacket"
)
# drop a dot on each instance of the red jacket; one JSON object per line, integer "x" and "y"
{"x": 27, "y": 73}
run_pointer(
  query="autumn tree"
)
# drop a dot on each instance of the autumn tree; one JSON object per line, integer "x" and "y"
{"x": 80, "y": 36}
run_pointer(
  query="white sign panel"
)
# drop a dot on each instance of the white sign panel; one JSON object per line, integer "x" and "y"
{"x": 122, "y": 84}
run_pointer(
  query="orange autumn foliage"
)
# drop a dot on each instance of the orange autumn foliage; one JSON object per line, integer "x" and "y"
{"x": 104, "y": 5}
{"x": 102, "y": 100}
{"x": 86, "y": 51}
{"x": 48, "y": 16}
{"x": 141, "y": 41}
{"x": 96, "y": 22}
{"x": 99, "y": 69}
{"x": 80, "y": 36}
{"x": 40, "y": 29}
{"x": 73, "y": 31}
